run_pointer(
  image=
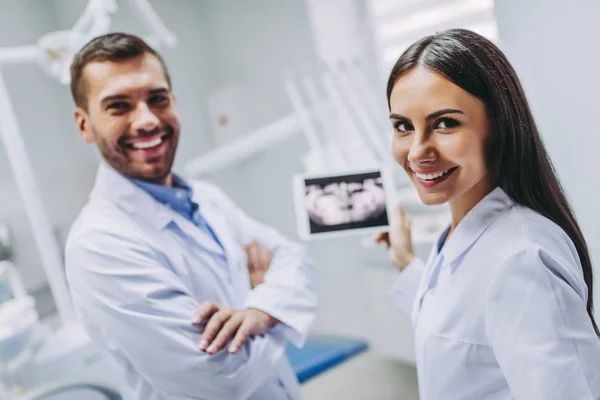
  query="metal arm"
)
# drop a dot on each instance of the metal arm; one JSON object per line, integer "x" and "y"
{"x": 43, "y": 234}
{"x": 95, "y": 20}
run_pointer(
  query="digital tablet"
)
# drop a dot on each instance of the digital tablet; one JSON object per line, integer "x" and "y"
{"x": 349, "y": 203}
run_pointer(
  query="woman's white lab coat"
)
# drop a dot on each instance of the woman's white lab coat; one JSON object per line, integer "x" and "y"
{"x": 138, "y": 271}
{"x": 500, "y": 312}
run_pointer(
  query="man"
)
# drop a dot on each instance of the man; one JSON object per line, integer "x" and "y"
{"x": 194, "y": 298}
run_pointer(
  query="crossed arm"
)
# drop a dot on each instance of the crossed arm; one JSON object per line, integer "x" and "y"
{"x": 146, "y": 311}
{"x": 225, "y": 323}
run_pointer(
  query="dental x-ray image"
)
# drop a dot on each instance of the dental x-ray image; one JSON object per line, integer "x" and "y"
{"x": 346, "y": 202}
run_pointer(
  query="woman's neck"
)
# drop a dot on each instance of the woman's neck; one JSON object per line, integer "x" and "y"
{"x": 461, "y": 205}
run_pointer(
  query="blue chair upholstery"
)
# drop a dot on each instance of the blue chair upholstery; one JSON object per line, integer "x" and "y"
{"x": 322, "y": 353}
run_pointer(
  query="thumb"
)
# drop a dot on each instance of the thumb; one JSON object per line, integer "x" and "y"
{"x": 398, "y": 214}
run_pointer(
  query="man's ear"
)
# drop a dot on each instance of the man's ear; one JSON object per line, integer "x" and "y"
{"x": 83, "y": 126}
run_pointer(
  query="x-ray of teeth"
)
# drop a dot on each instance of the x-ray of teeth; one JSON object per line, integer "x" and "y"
{"x": 346, "y": 202}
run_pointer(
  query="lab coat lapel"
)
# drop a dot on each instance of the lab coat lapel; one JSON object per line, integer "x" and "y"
{"x": 115, "y": 188}
{"x": 202, "y": 238}
{"x": 432, "y": 262}
{"x": 474, "y": 224}
{"x": 236, "y": 263}
{"x": 464, "y": 236}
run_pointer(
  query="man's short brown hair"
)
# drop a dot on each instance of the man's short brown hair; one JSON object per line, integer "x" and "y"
{"x": 110, "y": 47}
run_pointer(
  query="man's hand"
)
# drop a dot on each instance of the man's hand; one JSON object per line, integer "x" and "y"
{"x": 225, "y": 322}
{"x": 259, "y": 259}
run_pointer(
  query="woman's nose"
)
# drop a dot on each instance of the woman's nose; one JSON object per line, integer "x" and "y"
{"x": 421, "y": 150}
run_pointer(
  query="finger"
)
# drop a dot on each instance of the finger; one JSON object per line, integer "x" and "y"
{"x": 402, "y": 219}
{"x": 399, "y": 212}
{"x": 406, "y": 221}
{"x": 212, "y": 328}
{"x": 206, "y": 310}
{"x": 254, "y": 256}
{"x": 226, "y": 333}
{"x": 241, "y": 336}
{"x": 248, "y": 245}
{"x": 270, "y": 257}
{"x": 250, "y": 251}
{"x": 382, "y": 237}
{"x": 261, "y": 254}
{"x": 265, "y": 256}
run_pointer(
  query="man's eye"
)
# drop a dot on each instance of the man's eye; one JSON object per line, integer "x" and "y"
{"x": 159, "y": 100}
{"x": 447, "y": 123}
{"x": 119, "y": 105}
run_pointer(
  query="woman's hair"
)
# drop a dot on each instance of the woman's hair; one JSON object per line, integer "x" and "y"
{"x": 515, "y": 155}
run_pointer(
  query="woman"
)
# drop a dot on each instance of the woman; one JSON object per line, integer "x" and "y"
{"x": 503, "y": 307}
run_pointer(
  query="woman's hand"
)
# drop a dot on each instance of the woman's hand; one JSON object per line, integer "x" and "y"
{"x": 398, "y": 240}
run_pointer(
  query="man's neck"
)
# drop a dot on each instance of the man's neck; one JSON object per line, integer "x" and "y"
{"x": 168, "y": 181}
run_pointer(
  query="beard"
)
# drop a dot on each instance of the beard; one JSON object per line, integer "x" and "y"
{"x": 132, "y": 162}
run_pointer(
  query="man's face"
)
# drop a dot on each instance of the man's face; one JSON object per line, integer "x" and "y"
{"x": 131, "y": 117}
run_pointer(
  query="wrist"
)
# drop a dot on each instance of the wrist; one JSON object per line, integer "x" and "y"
{"x": 266, "y": 319}
{"x": 402, "y": 262}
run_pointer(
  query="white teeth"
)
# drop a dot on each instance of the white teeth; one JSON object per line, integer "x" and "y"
{"x": 147, "y": 145}
{"x": 430, "y": 177}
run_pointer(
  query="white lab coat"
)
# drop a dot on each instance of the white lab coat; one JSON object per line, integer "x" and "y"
{"x": 138, "y": 271}
{"x": 500, "y": 312}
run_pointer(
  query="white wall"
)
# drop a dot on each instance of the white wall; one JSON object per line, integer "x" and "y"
{"x": 553, "y": 45}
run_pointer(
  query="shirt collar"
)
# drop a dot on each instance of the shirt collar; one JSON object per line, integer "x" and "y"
{"x": 178, "y": 197}
{"x": 116, "y": 188}
{"x": 474, "y": 225}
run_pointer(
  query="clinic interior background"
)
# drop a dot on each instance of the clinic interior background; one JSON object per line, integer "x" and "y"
{"x": 249, "y": 45}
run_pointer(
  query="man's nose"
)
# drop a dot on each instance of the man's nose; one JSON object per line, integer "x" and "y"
{"x": 144, "y": 119}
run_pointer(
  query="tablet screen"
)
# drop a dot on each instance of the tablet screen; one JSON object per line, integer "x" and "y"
{"x": 346, "y": 202}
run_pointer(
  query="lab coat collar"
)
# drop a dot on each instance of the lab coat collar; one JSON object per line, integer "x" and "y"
{"x": 474, "y": 224}
{"x": 114, "y": 187}
{"x": 117, "y": 189}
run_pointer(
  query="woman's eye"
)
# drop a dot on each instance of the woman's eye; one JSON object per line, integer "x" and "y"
{"x": 447, "y": 123}
{"x": 402, "y": 126}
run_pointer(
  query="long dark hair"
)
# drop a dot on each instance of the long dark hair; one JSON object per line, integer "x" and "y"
{"x": 515, "y": 155}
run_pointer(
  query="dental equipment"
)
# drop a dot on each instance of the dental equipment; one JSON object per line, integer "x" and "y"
{"x": 69, "y": 346}
{"x": 18, "y": 319}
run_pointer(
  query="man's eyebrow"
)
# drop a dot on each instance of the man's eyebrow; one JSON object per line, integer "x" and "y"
{"x": 113, "y": 97}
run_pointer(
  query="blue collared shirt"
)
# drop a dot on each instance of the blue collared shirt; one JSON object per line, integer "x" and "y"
{"x": 178, "y": 197}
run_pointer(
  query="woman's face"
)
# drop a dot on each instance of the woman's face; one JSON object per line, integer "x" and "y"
{"x": 439, "y": 135}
